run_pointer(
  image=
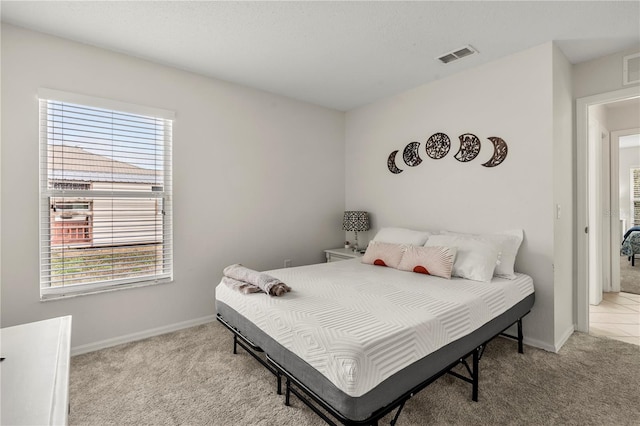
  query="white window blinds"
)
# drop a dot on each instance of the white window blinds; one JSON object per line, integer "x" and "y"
{"x": 105, "y": 185}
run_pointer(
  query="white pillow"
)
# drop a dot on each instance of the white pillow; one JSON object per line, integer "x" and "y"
{"x": 402, "y": 236}
{"x": 475, "y": 260}
{"x": 508, "y": 243}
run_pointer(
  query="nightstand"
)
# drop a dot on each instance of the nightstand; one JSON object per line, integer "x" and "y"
{"x": 335, "y": 255}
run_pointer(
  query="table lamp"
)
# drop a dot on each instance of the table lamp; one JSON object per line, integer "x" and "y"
{"x": 355, "y": 221}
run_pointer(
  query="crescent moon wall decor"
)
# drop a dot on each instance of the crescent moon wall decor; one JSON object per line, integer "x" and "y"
{"x": 500, "y": 150}
{"x": 438, "y": 146}
{"x": 391, "y": 163}
{"x": 410, "y": 154}
{"x": 469, "y": 147}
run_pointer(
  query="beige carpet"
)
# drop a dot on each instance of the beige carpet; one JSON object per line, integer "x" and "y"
{"x": 629, "y": 276}
{"x": 191, "y": 377}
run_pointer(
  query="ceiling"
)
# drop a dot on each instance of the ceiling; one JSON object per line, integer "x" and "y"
{"x": 336, "y": 54}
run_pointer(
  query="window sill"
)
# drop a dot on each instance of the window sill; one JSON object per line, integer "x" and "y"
{"x": 60, "y": 293}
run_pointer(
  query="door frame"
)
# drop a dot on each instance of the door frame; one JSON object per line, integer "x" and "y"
{"x": 582, "y": 196}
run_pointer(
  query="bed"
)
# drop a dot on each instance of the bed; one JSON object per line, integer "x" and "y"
{"x": 631, "y": 246}
{"x": 359, "y": 340}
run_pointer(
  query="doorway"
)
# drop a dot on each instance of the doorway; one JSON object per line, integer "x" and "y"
{"x": 597, "y": 218}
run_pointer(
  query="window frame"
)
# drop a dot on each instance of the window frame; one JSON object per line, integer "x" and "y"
{"x": 46, "y": 193}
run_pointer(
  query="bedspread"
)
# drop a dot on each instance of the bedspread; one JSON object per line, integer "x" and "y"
{"x": 631, "y": 245}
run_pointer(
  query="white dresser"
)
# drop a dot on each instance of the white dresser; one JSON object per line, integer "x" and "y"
{"x": 35, "y": 372}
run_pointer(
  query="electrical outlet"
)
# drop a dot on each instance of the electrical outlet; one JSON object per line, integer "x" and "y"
{"x": 287, "y": 263}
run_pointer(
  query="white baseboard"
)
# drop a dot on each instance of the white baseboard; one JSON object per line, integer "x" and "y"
{"x": 90, "y": 347}
{"x": 545, "y": 346}
{"x": 555, "y": 347}
{"x": 539, "y": 344}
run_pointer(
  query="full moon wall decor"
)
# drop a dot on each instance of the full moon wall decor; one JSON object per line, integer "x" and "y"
{"x": 438, "y": 146}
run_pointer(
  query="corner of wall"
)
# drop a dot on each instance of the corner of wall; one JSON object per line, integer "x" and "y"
{"x": 563, "y": 193}
{"x": 563, "y": 337}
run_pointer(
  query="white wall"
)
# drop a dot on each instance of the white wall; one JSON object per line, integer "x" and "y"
{"x": 257, "y": 178}
{"x": 600, "y": 75}
{"x": 511, "y": 98}
{"x": 623, "y": 115}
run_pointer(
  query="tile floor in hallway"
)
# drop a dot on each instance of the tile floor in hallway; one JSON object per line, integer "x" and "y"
{"x": 616, "y": 317}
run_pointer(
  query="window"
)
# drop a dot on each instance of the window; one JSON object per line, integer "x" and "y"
{"x": 635, "y": 196}
{"x": 105, "y": 191}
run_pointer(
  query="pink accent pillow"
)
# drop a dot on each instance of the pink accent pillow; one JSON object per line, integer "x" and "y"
{"x": 383, "y": 254}
{"x": 436, "y": 261}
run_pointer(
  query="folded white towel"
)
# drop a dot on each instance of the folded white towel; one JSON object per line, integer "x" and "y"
{"x": 240, "y": 286}
{"x": 265, "y": 282}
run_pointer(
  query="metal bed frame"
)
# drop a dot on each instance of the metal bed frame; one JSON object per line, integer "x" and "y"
{"x": 310, "y": 398}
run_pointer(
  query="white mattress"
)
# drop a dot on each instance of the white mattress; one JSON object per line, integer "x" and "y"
{"x": 358, "y": 324}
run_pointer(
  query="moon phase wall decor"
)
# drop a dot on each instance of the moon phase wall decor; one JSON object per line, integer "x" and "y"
{"x": 438, "y": 146}
{"x": 410, "y": 154}
{"x": 469, "y": 147}
{"x": 500, "y": 150}
{"x": 391, "y": 163}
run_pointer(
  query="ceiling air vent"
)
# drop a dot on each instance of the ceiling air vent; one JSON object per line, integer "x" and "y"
{"x": 457, "y": 54}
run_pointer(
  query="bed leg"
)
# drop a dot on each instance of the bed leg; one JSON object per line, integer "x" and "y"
{"x": 395, "y": 418}
{"x": 287, "y": 393}
{"x": 475, "y": 374}
{"x": 279, "y": 378}
{"x": 235, "y": 344}
{"x": 520, "y": 337}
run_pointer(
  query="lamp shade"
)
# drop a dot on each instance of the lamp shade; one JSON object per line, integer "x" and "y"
{"x": 355, "y": 221}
